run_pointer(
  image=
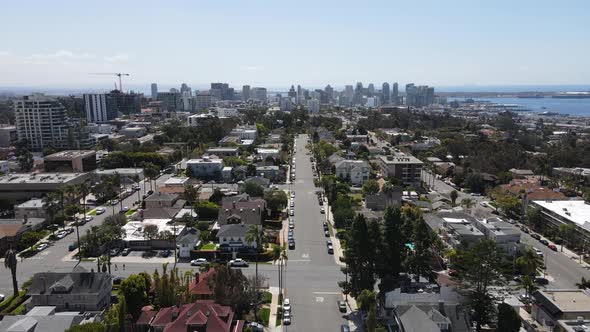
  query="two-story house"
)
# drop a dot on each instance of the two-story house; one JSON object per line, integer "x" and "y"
{"x": 357, "y": 171}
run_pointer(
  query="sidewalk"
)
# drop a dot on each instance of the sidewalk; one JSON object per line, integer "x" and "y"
{"x": 338, "y": 252}
{"x": 272, "y": 321}
{"x": 573, "y": 256}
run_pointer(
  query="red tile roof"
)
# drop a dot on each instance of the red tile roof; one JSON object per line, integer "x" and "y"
{"x": 206, "y": 314}
{"x": 201, "y": 286}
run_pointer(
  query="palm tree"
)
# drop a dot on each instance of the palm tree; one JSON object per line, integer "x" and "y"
{"x": 529, "y": 286}
{"x": 10, "y": 262}
{"x": 467, "y": 203}
{"x": 529, "y": 262}
{"x": 454, "y": 195}
{"x": 279, "y": 254}
{"x": 51, "y": 205}
{"x": 255, "y": 234}
{"x": 83, "y": 189}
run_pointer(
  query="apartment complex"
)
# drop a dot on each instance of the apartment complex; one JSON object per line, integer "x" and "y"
{"x": 406, "y": 168}
{"x": 41, "y": 122}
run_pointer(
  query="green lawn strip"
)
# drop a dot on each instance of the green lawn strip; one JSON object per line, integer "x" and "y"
{"x": 264, "y": 315}
{"x": 130, "y": 212}
{"x": 91, "y": 213}
{"x": 209, "y": 246}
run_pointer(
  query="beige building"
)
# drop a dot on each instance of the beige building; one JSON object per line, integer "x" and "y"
{"x": 71, "y": 161}
{"x": 403, "y": 167}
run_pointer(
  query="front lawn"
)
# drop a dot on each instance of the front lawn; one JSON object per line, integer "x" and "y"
{"x": 264, "y": 316}
{"x": 130, "y": 212}
{"x": 92, "y": 213}
{"x": 209, "y": 246}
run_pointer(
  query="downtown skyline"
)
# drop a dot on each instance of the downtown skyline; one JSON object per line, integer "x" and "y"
{"x": 273, "y": 45}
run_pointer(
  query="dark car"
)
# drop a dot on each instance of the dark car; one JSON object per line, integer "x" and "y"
{"x": 292, "y": 244}
{"x": 541, "y": 281}
{"x": 165, "y": 253}
{"x": 536, "y": 236}
{"x": 342, "y": 306}
{"x": 545, "y": 242}
{"x": 552, "y": 247}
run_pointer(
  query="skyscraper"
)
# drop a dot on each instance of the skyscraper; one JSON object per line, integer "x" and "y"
{"x": 185, "y": 88}
{"x": 395, "y": 94}
{"x": 371, "y": 90}
{"x": 358, "y": 94}
{"x": 245, "y": 92}
{"x": 41, "y": 122}
{"x": 329, "y": 93}
{"x": 99, "y": 107}
{"x": 154, "y": 91}
{"x": 292, "y": 93}
{"x": 259, "y": 94}
{"x": 385, "y": 94}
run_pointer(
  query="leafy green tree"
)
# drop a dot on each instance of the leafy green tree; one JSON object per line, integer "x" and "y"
{"x": 276, "y": 200}
{"x": 467, "y": 203}
{"x": 122, "y": 313}
{"x": 360, "y": 258}
{"x": 135, "y": 292}
{"x": 567, "y": 232}
{"x": 229, "y": 288}
{"x": 88, "y": 327}
{"x": 255, "y": 234}
{"x": 391, "y": 258}
{"x": 529, "y": 285}
{"x": 217, "y": 196}
{"x": 150, "y": 232}
{"x": 423, "y": 239}
{"x": 370, "y": 187}
{"x": 533, "y": 217}
{"x": 479, "y": 268}
{"x": 190, "y": 193}
{"x": 508, "y": 318}
{"x": 454, "y": 194}
{"x": 207, "y": 210}
{"x": 29, "y": 238}
{"x": 253, "y": 189}
{"x": 475, "y": 182}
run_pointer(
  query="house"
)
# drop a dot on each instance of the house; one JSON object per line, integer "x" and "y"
{"x": 245, "y": 133}
{"x": 10, "y": 234}
{"x": 134, "y": 235}
{"x": 199, "y": 286}
{"x": 242, "y": 209}
{"x": 357, "y": 171}
{"x": 273, "y": 173}
{"x": 160, "y": 199}
{"x": 520, "y": 173}
{"x": 381, "y": 200}
{"x": 78, "y": 290}
{"x": 202, "y": 315}
{"x": 259, "y": 180}
{"x": 205, "y": 167}
{"x": 232, "y": 237}
{"x": 334, "y": 158}
{"x": 43, "y": 319}
{"x": 187, "y": 242}
{"x": 406, "y": 168}
{"x": 415, "y": 319}
{"x": 224, "y": 151}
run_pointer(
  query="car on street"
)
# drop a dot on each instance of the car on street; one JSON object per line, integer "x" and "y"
{"x": 198, "y": 262}
{"x": 114, "y": 252}
{"x": 291, "y": 212}
{"x": 292, "y": 194}
{"x": 327, "y": 233}
{"x": 344, "y": 328}
{"x": 322, "y": 210}
{"x": 524, "y": 298}
{"x": 545, "y": 242}
{"x": 2, "y": 297}
{"x": 88, "y": 218}
{"x": 538, "y": 252}
{"x": 328, "y": 242}
{"x": 100, "y": 210}
{"x": 125, "y": 209}
{"x": 330, "y": 249}
{"x": 61, "y": 234}
{"x": 292, "y": 204}
{"x": 126, "y": 251}
{"x": 541, "y": 280}
{"x": 291, "y": 226}
{"x": 42, "y": 246}
{"x": 342, "y": 306}
{"x": 238, "y": 262}
{"x": 165, "y": 253}
{"x": 525, "y": 229}
{"x": 291, "y": 244}
{"x": 536, "y": 236}
{"x": 286, "y": 304}
{"x": 552, "y": 247}
{"x": 114, "y": 202}
{"x": 287, "y": 320}
{"x": 118, "y": 280}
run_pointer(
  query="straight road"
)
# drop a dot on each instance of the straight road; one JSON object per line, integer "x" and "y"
{"x": 312, "y": 274}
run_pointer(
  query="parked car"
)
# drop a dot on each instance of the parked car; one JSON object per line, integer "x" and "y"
{"x": 42, "y": 246}
{"x": 291, "y": 226}
{"x": 114, "y": 202}
{"x": 292, "y": 244}
{"x": 536, "y": 236}
{"x": 287, "y": 320}
{"x": 286, "y": 304}
{"x": 545, "y": 242}
{"x": 165, "y": 253}
{"x": 552, "y": 247}
{"x": 238, "y": 262}
{"x": 327, "y": 233}
{"x": 541, "y": 280}
{"x": 330, "y": 249}
{"x": 291, "y": 212}
{"x": 72, "y": 247}
{"x": 2, "y": 297}
{"x": 342, "y": 306}
{"x": 125, "y": 209}
{"x": 328, "y": 242}
{"x": 322, "y": 210}
{"x": 292, "y": 204}
{"x": 118, "y": 280}
{"x": 292, "y": 194}
{"x": 114, "y": 251}
{"x": 344, "y": 328}
{"x": 100, "y": 210}
{"x": 538, "y": 252}
{"x": 126, "y": 251}
{"x": 199, "y": 262}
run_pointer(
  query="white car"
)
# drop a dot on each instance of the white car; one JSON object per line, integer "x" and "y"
{"x": 198, "y": 262}
{"x": 238, "y": 262}
{"x": 100, "y": 210}
{"x": 292, "y": 203}
{"x": 322, "y": 210}
{"x": 42, "y": 247}
{"x": 292, "y": 194}
{"x": 89, "y": 218}
{"x": 2, "y": 297}
{"x": 125, "y": 209}
{"x": 286, "y": 305}
{"x": 291, "y": 212}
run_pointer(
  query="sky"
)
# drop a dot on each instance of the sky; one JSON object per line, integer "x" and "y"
{"x": 279, "y": 43}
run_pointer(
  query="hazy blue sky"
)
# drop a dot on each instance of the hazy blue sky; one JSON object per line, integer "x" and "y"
{"x": 277, "y": 43}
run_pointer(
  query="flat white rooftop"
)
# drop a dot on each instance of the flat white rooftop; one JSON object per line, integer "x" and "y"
{"x": 176, "y": 181}
{"x": 39, "y": 177}
{"x": 576, "y": 211}
{"x": 134, "y": 229}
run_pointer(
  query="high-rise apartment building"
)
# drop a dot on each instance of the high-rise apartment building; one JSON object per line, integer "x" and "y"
{"x": 222, "y": 91}
{"x": 259, "y": 94}
{"x": 126, "y": 103}
{"x": 172, "y": 100}
{"x": 99, "y": 107}
{"x": 41, "y": 122}
{"x": 245, "y": 92}
{"x": 154, "y": 91}
{"x": 385, "y": 94}
{"x": 204, "y": 100}
{"x": 358, "y": 94}
{"x": 313, "y": 105}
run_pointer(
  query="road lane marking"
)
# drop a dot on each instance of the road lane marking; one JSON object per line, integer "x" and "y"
{"x": 327, "y": 293}
{"x": 298, "y": 260}
{"x": 305, "y": 256}
{"x": 319, "y": 299}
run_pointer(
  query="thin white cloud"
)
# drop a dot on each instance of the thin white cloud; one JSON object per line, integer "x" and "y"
{"x": 117, "y": 58}
{"x": 61, "y": 54}
{"x": 4, "y": 53}
{"x": 251, "y": 68}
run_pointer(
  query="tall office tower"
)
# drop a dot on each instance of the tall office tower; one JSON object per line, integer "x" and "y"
{"x": 259, "y": 94}
{"x": 411, "y": 94}
{"x": 371, "y": 90}
{"x": 358, "y": 94}
{"x": 395, "y": 94}
{"x": 172, "y": 100}
{"x": 292, "y": 93}
{"x": 204, "y": 100}
{"x": 299, "y": 95}
{"x": 99, "y": 107}
{"x": 429, "y": 96}
{"x": 221, "y": 91}
{"x": 154, "y": 91}
{"x": 329, "y": 93}
{"x": 185, "y": 88}
{"x": 385, "y": 94}
{"x": 245, "y": 92}
{"x": 313, "y": 105}
{"x": 41, "y": 122}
